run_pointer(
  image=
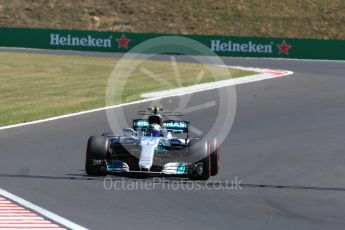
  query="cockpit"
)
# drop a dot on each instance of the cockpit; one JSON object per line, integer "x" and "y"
{"x": 154, "y": 130}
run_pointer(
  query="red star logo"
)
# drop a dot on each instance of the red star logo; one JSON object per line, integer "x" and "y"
{"x": 284, "y": 48}
{"x": 123, "y": 42}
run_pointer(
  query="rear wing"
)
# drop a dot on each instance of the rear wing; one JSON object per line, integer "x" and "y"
{"x": 165, "y": 113}
{"x": 172, "y": 125}
{"x": 169, "y": 125}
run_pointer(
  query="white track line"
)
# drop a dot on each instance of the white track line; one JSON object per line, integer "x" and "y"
{"x": 29, "y": 220}
{"x": 237, "y": 81}
{"x": 264, "y": 74}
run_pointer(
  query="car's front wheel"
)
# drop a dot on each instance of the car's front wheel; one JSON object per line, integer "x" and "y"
{"x": 96, "y": 153}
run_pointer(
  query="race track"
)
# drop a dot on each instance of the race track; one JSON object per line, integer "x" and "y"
{"x": 286, "y": 146}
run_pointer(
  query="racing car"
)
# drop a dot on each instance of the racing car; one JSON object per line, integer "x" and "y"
{"x": 153, "y": 146}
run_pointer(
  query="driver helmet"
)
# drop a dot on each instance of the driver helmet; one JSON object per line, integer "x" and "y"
{"x": 155, "y": 130}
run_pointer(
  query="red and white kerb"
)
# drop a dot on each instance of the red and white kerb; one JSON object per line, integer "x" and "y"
{"x": 13, "y": 216}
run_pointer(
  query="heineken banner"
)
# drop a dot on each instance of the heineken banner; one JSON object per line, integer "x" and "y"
{"x": 81, "y": 40}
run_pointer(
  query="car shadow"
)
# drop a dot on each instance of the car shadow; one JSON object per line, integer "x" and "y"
{"x": 218, "y": 183}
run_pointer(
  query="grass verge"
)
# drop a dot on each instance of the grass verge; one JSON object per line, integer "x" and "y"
{"x": 37, "y": 86}
{"x": 263, "y": 18}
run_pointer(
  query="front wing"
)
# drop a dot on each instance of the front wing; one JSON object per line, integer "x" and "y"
{"x": 169, "y": 169}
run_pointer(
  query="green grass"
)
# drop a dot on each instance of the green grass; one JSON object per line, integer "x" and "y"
{"x": 37, "y": 86}
{"x": 278, "y": 18}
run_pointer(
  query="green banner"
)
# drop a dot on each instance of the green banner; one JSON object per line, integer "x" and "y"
{"x": 232, "y": 46}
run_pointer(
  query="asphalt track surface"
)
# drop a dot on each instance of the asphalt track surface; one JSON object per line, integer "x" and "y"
{"x": 286, "y": 146}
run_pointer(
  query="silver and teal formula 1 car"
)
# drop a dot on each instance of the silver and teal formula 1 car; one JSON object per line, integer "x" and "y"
{"x": 151, "y": 147}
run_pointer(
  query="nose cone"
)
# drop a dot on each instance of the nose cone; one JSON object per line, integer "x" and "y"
{"x": 148, "y": 146}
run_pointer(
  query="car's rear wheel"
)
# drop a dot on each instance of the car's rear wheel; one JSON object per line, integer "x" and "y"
{"x": 215, "y": 152}
{"x": 96, "y": 153}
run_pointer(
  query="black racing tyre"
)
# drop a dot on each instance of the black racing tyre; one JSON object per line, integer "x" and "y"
{"x": 96, "y": 153}
{"x": 202, "y": 150}
{"x": 206, "y": 172}
{"x": 192, "y": 142}
{"x": 215, "y": 152}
